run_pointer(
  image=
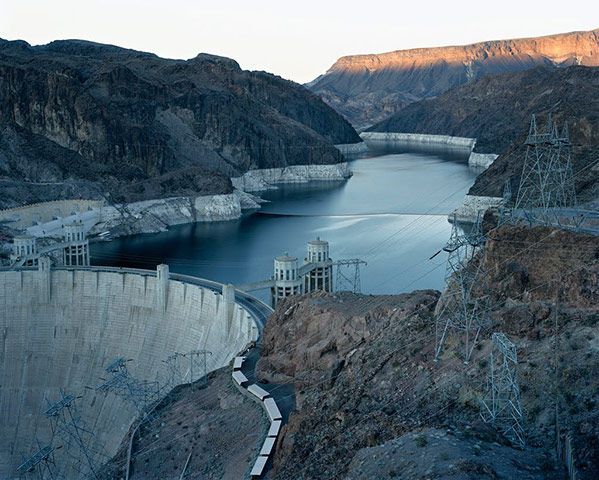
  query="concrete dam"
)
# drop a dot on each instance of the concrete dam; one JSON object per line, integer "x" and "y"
{"x": 61, "y": 328}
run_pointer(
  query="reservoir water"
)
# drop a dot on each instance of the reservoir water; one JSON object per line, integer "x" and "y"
{"x": 392, "y": 213}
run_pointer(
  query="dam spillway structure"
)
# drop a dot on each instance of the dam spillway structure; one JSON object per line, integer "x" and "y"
{"x": 63, "y": 326}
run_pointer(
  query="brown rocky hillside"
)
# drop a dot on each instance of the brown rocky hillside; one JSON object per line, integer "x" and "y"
{"x": 372, "y": 403}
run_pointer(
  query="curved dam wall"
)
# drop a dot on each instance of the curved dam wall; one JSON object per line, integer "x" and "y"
{"x": 61, "y": 328}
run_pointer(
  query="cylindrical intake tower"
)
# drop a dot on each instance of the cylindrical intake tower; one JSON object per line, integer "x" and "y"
{"x": 287, "y": 279}
{"x": 77, "y": 252}
{"x": 320, "y": 277}
{"x": 23, "y": 246}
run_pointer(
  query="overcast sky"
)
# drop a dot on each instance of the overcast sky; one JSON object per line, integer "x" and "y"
{"x": 295, "y": 39}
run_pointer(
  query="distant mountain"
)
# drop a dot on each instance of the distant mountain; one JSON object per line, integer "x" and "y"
{"x": 77, "y": 116}
{"x": 497, "y": 109}
{"x": 368, "y": 88}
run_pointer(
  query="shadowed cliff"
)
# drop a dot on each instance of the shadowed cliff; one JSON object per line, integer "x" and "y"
{"x": 73, "y": 113}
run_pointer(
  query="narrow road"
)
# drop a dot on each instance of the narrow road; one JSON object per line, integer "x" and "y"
{"x": 283, "y": 394}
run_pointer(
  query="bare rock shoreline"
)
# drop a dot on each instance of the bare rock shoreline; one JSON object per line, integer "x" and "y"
{"x": 157, "y": 215}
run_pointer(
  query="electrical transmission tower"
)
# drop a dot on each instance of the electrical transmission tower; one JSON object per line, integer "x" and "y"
{"x": 123, "y": 384}
{"x": 67, "y": 425}
{"x": 41, "y": 464}
{"x": 348, "y": 282}
{"x": 501, "y": 404}
{"x": 196, "y": 361}
{"x": 174, "y": 370}
{"x": 460, "y": 311}
{"x": 547, "y": 182}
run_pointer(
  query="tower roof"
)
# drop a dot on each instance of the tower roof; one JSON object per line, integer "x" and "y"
{"x": 318, "y": 241}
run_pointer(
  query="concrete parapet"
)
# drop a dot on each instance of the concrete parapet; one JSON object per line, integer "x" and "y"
{"x": 258, "y": 391}
{"x": 267, "y": 446}
{"x": 259, "y": 466}
{"x": 272, "y": 410}
{"x": 275, "y": 426}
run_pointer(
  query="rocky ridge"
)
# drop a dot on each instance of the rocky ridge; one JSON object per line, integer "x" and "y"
{"x": 368, "y": 88}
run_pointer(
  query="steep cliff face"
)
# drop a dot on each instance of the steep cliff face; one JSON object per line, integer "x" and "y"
{"x": 78, "y": 111}
{"x": 496, "y": 110}
{"x": 368, "y": 88}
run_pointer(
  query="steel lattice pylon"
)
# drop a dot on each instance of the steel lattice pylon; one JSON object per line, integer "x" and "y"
{"x": 122, "y": 383}
{"x": 461, "y": 312}
{"x": 175, "y": 373}
{"x": 198, "y": 363}
{"x": 77, "y": 438}
{"x": 501, "y": 404}
{"x": 41, "y": 464}
{"x": 347, "y": 283}
{"x": 547, "y": 181}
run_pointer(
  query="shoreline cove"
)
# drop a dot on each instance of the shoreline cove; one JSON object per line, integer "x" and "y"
{"x": 157, "y": 215}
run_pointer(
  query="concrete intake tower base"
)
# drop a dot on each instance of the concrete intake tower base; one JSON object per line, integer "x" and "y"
{"x": 60, "y": 328}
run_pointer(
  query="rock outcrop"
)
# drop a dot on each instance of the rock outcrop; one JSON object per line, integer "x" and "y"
{"x": 371, "y": 402}
{"x": 80, "y": 119}
{"x": 496, "y": 110}
{"x": 203, "y": 430}
{"x": 368, "y": 88}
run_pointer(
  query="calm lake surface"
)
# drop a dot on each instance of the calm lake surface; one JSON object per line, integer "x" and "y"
{"x": 392, "y": 213}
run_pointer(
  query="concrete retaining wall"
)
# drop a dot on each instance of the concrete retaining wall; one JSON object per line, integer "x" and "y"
{"x": 483, "y": 160}
{"x": 61, "y": 328}
{"x": 472, "y": 205}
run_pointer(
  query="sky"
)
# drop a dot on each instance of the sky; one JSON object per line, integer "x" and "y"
{"x": 298, "y": 40}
